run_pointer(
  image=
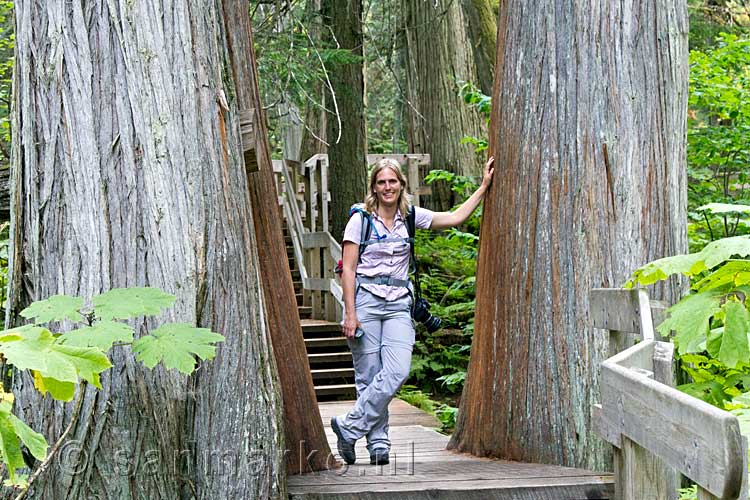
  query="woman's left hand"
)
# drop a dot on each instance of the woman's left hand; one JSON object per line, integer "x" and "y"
{"x": 489, "y": 169}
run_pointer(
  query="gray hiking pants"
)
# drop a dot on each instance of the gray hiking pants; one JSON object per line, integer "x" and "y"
{"x": 382, "y": 359}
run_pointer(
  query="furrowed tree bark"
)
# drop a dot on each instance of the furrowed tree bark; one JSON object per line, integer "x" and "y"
{"x": 127, "y": 171}
{"x": 306, "y": 444}
{"x": 588, "y": 131}
{"x": 347, "y": 158}
{"x": 438, "y": 55}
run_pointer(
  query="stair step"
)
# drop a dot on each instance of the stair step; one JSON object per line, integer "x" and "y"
{"x": 332, "y": 373}
{"x": 331, "y": 390}
{"x": 304, "y": 311}
{"x": 329, "y": 357}
{"x": 299, "y": 298}
{"x": 312, "y": 328}
{"x": 326, "y": 342}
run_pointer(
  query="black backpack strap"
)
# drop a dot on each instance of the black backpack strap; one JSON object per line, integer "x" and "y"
{"x": 365, "y": 233}
{"x": 411, "y": 227}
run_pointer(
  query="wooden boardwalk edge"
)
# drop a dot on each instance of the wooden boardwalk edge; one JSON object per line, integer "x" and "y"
{"x": 421, "y": 468}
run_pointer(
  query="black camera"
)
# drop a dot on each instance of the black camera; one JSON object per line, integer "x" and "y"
{"x": 421, "y": 313}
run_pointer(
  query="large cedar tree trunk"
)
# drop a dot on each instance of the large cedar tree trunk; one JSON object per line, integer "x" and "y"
{"x": 347, "y": 177}
{"x": 128, "y": 171}
{"x": 305, "y": 438}
{"x": 588, "y": 131}
{"x": 439, "y": 54}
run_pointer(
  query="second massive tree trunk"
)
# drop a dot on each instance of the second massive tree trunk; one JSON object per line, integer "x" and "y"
{"x": 348, "y": 157}
{"x": 588, "y": 132}
{"x": 307, "y": 448}
{"x": 128, "y": 172}
{"x": 438, "y": 55}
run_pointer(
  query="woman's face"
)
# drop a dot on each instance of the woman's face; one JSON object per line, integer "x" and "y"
{"x": 387, "y": 187}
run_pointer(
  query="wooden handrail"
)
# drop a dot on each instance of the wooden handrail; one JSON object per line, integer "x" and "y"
{"x": 654, "y": 428}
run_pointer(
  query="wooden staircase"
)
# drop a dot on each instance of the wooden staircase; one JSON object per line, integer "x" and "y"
{"x": 328, "y": 354}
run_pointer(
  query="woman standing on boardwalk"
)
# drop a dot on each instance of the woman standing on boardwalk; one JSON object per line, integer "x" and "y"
{"x": 378, "y": 298}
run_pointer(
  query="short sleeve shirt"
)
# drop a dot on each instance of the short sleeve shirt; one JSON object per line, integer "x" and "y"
{"x": 388, "y": 258}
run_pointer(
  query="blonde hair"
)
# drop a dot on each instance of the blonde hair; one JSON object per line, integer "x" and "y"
{"x": 404, "y": 199}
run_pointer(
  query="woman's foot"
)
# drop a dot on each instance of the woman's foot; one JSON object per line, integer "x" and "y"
{"x": 346, "y": 448}
{"x": 379, "y": 457}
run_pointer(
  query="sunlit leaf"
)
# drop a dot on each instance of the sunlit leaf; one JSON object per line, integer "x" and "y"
{"x": 101, "y": 335}
{"x": 55, "y": 308}
{"x": 124, "y": 303}
{"x": 176, "y": 345}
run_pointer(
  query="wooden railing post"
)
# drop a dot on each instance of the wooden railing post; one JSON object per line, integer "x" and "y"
{"x": 412, "y": 165}
{"x": 313, "y": 254}
{"x": 627, "y": 315}
{"x": 656, "y": 430}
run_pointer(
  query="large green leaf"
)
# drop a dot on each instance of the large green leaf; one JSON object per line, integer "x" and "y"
{"x": 711, "y": 256}
{"x": 34, "y": 441}
{"x": 725, "y": 208}
{"x": 176, "y": 344}
{"x": 733, "y": 272}
{"x": 38, "y": 350}
{"x": 61, "y": 391}
{"x": 734, "y": 344}
{"x": 55, "y": 308}
{"x": 10, "y": 447}
{"x": 101, "y": 335}
{"x": 124, "y": 303}
{"x": 689, "y": 319}
{"x": 11, "y": 430}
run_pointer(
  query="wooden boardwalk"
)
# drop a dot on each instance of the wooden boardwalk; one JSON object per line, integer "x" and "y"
{"x": 421, "y": 468}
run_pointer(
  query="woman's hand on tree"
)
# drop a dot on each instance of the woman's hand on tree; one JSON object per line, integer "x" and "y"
{"x": 489, "y": 169}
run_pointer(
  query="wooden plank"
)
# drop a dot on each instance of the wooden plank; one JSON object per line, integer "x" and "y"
{"x": 621, "y": 310}
{"x": 453, "y": 487}
{"x": 412, "y": 173}
{"x": 695, "y": 438}
{"x": 705, "y": 495}
{"x": 643, "y": 475}
{"x": 329, "y": 357}
{"x": 317, "y": 284}
{"x": 321, "y": 181}
{"x": 402, "y": 159}
{"x": 318, "y": 239}
{"x": 603, "y": 429}
{"x": 745, "y": 492}
{"x": 247, "y": 135}
{"x": 400, "y": 412}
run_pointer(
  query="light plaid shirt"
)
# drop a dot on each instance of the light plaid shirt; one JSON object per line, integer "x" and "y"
{"x": 389, "y": 258}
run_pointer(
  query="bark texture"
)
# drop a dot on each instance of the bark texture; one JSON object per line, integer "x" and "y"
{"x": 438, "y": 55}
{"x": 347, "y": 158}
{"x": 128, "y": 171}
{"x": 588, "y": 132}
{"x": 306, "y": 444}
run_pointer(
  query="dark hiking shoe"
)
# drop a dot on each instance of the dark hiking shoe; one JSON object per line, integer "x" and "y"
{"x": 346, "y": 448}
{"x": 379, "y": 457}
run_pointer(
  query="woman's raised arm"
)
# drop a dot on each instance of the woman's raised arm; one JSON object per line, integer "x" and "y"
{"x": 441, "y": 220}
